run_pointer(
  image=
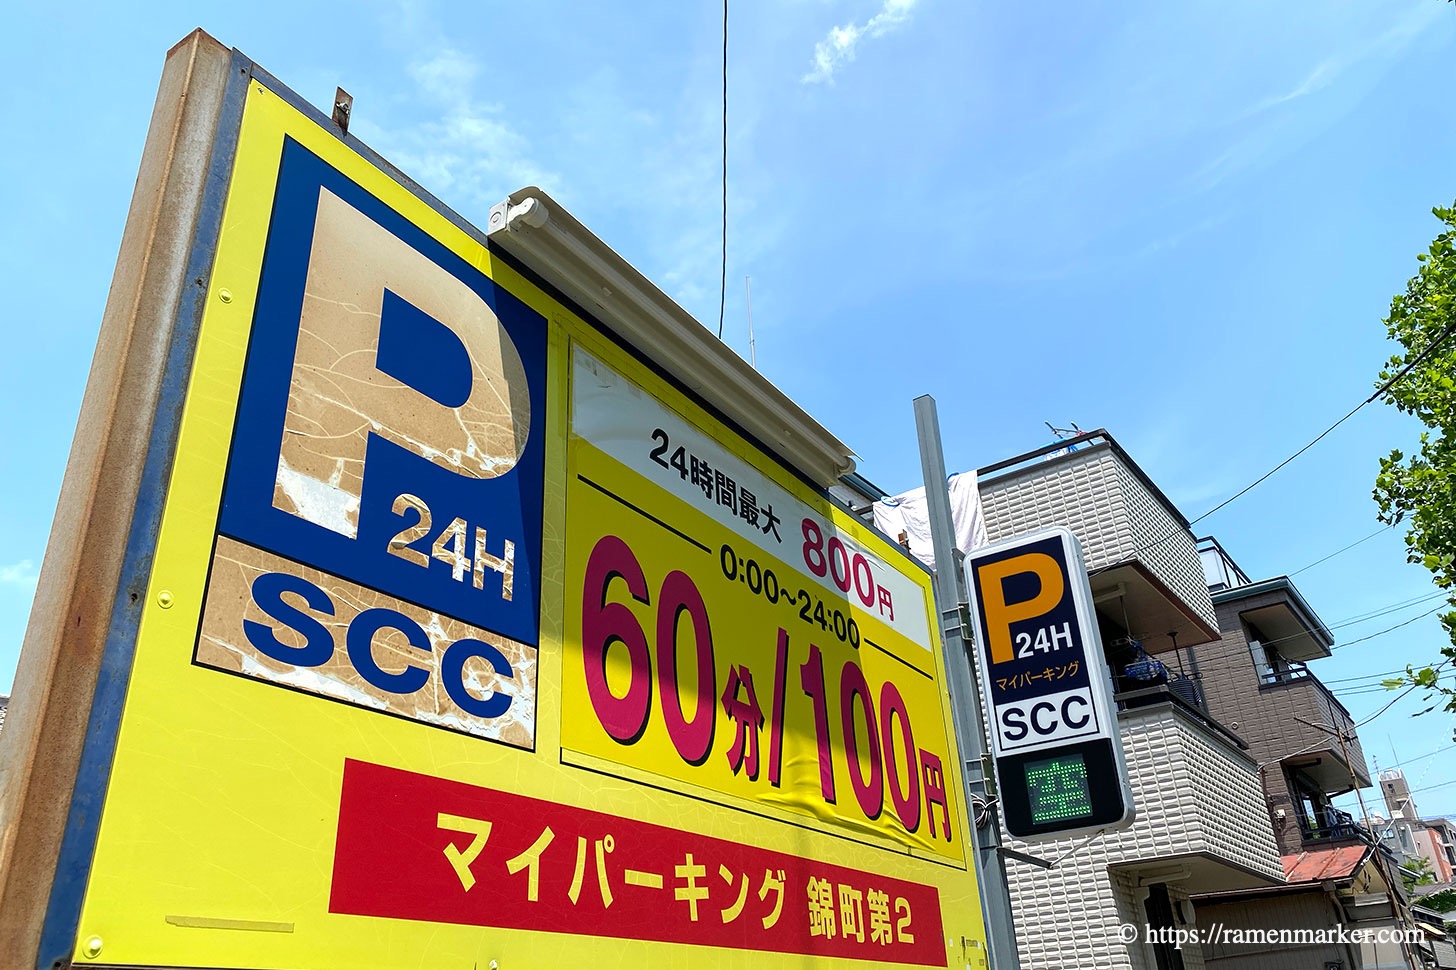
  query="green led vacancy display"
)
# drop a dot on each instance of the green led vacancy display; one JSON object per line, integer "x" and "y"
{"x": 1057, "y": 788}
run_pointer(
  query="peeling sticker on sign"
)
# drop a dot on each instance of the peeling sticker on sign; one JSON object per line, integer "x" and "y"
{"x": 276, "y": 621}
{"x": 452, "y": 392}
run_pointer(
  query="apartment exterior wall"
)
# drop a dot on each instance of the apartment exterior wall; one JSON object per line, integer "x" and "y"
{"x": 1197, "y": 798}
{"x": 1165, "y": 544}
{"x": 1131, "y": 904}
{"x": 1112, "y": 512}
{"x": 1430, "y": 847}
{"x": 1443, "y": 836}
{"x": 1269, "y": 718}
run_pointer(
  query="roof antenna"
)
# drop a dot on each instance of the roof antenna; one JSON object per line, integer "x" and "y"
{"x": 748, "y": 295}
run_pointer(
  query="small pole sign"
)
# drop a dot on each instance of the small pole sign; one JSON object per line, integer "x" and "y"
{"x": 1053, "y": 724}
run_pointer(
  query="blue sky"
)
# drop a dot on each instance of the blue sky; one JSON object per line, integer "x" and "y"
{"x": 1180, "y": 222}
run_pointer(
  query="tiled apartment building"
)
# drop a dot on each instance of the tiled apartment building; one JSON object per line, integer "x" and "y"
{"x": 1256, "y": 679}
{"x": 1202, "y": 822}
{"x": 1234, "y": 748}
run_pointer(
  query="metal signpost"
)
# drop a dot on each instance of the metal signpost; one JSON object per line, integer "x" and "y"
{"x": 969, "y": 720}
{"x": 491, "y": 613}
{"x": 1053, "y": 724}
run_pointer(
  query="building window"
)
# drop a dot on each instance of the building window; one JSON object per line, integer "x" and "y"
{"x": 1318, "y": 818}
{"x": 1270, "y": 666}
{"x": 1263, "y": 669}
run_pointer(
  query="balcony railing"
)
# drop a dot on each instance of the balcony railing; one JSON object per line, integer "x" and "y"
{"x": 1173, "y": 692}
{"x": 1331, "y": 825}
{"x": 1284, "y": 675}
{"x": 1219, "y": 568}
{"x": 1152, "y": 672}
{"x": 1336, "y": 716}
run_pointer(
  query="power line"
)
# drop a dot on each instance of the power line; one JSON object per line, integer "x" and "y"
{"x": 1389, "y": 629}
{"x": 1379, "y": 688}
{"x": 1422, "y": 757}
{"x": 1267, "y": 475}
{"x": 1363, "y": 617}
{"x": 1391, "y": 703}
{"x": 1386, "y": 610}
{"x": 1409, "y": 365}
{"x": 723, "y": 272}
{"x": 1363, "y": 677}
{"x": 1387, "y": 707}
{"x": 1391, "y": 608}
{"x": 1444, "y": 784}
{"x": 1344, "y": 549}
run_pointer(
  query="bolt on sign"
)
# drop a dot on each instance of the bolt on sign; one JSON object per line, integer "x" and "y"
{"x": 468, "y": 636}
{"x": 1053, "y": 724}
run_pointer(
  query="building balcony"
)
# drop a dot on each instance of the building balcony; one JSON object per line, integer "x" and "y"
{"x": 1315, "y": 724}
{"x": 1332, "y": 825}
{"x": 1147, "y": 579}
{"x": 1199, "y": 802}
{"x": 1200, "y": 808}
{"x": 1272, "y": 610}
{"x": 1201, "y": 826}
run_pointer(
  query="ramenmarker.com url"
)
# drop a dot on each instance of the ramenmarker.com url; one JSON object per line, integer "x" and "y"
{"x": 1260, "y": 936}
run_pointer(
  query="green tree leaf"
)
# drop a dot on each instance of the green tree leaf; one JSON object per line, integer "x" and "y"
{"x": 1420, "y": 489}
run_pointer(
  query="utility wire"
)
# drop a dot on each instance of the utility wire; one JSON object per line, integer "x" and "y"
{"x": 1430, "y": 348}
{"x": 1351, "y": 643}
{"x": 1391, "y": 703}
{"x": 1422, "y": 757}
{"x": 1388, "y": 706}
{"x": 1380, "y": 611}
{"x": 723, "y": 271}
{"x": 1345, "y": 549}
{"x": 1362, "y": 677}
{"x": 1393, "y": 609}
{"x": 1266, "y": 476}
{"x": 1409, "y": 365}
{"x": 1380, "y": 689}
{"x": 1444, "y": 784}
{"x": 1364, "y": 617}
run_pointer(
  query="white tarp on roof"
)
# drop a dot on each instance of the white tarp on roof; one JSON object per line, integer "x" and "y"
{"x": 908, "y": 514}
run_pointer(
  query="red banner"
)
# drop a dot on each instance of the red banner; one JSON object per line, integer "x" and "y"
{"x": 412, "y": 846}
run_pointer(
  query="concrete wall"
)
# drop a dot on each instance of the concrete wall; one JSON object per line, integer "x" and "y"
{"x": 1429, "y": 845}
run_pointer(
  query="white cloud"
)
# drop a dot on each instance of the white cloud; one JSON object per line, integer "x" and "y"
{"x": 467, "y": 154}
{"x": 838, "y": 46}
{"x": 1320, "y": 77}
{"x": 446, "y": 75}
{"x": 1388, "y": 44}
{"x": 21, "y": 574}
